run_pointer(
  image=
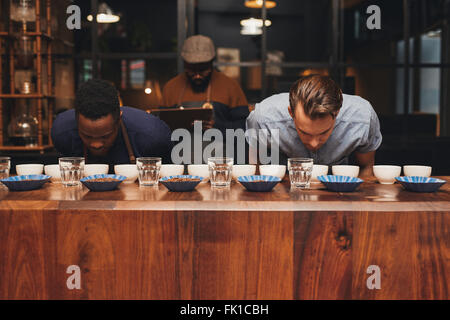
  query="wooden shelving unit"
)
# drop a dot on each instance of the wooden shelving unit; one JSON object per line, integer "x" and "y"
{"x": 43, "y": 52}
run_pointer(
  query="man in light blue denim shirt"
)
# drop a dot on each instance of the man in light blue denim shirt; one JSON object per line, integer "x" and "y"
{"x": 315, "y": 120}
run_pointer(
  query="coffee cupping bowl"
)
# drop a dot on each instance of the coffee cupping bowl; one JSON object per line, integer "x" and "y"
{"x": 181, "y": 186}
{"x": 25, "y": 182}
{"x": 340, "y": 183}
{"x": 420, "y": 184}
{"x": 90, "y": 183}
{"x": 259, "y": 183}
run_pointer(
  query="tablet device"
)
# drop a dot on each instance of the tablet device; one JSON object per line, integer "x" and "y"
{"x": 183, "y": 117}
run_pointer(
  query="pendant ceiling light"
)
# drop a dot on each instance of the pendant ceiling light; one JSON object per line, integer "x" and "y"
{"x": 105, "y": 15}
{"x": 255, "y": 4}
{"x": 253, "y": 26}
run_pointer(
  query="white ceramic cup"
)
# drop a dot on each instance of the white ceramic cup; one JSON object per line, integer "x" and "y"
{"x": 421, "y": 171}
{"x": 386, "y": 174}
{"x": 168, "y": 170}
{"x": 201, "y": 170}
{"x": 91, "y": 169}
{"x": 243, "y": 170}
{"x": 27, "y": 169}
{"x": 272, "y": 170}
{"x": 127, "y": 170}
{"x": 318, "y": 170}
{"x": 53, "y": 171}
{"x": 345, "y": 170}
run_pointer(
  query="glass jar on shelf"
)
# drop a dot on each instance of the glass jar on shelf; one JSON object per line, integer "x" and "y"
{"x": 23, "y": 127}
{"x": 23, "y": 15}
{"x": 24, "y": 48}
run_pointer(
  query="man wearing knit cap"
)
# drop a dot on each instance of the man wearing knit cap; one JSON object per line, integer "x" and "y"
{"x": 201, "y": 86}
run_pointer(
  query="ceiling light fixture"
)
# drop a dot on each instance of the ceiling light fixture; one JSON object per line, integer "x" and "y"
{"x": 255, "y": 22}
{"x": 434, "y": 33}
{"x": 253, "y": 26}
{"x": 256, "y": 4}
{"x": 105, "y": 15}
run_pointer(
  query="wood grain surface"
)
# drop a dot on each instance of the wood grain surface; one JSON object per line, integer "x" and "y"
{"x": 411, "y": 249}
{"x": 224, "y": 244}
{"x": 323, "y": 255}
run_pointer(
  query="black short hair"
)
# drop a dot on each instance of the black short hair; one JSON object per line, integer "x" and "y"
{"x": 96, "y": 99}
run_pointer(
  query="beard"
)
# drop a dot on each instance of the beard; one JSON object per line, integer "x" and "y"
{"x": 200, "y": 85}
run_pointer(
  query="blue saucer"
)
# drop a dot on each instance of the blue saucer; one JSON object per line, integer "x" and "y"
{"x": 340, "y": 183}
{"x": 25, "y": 182}
{"x": 420, "y": 184}
{"x": 259, "y": 183}
{"x": 181, "y": 186}
{"x": 102, "y": 186}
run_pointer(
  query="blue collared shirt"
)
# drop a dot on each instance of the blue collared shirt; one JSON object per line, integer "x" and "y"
{"x": 357, "y": 128}
{"x": 149, "y": 137}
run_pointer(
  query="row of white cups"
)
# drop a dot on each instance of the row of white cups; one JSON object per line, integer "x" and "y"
{"x": 385, "y": 174}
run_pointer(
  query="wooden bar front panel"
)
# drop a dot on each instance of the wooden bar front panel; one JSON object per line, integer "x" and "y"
{"x": 136, "y": 243}
{"x": 147, "y": 255}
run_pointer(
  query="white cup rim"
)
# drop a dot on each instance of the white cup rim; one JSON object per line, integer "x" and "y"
{"x": 345, "y": 165}
{"x": 386, "y": 166}
{"x": 416, "y": 166}
{"x": 70, "y": 158}
{"x": 277, "y": 166}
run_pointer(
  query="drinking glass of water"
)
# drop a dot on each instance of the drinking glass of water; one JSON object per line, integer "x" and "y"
{"x": 72, "y": 169}
{"x": 300, "y": 170}
{"x": 148, "y": 168}
{"x": 220, "y": 171}
{"x": 5, "y": 166}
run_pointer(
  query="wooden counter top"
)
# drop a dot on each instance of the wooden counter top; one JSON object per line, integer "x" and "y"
{"x": 370, "y": 196}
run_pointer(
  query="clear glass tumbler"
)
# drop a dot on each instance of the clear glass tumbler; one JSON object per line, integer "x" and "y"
{"x": 5, "y": 166}
{"x": 148, "y": 168}
{"x": 72, "y": 169}
{"x": 300, "y": 170}
{"x": 220, "y": 171}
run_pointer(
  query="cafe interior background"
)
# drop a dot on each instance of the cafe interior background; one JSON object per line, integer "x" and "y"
{"x": 402, "y": 68}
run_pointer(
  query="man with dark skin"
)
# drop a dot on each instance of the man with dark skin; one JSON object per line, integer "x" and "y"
{"x": 198, "y": 74}
{"x": 201, "y": 86}
{"x": 103, "y": 132}
{"x": 98, "y": 135}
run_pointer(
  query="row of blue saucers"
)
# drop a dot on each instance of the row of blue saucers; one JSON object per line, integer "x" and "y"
{"x": 251, "y": 183}
{"x": 420, "y": 184}
{"x": 349, "y": 184}
{"x": 93, "y": 185}
{"x": 25, "y": 182}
